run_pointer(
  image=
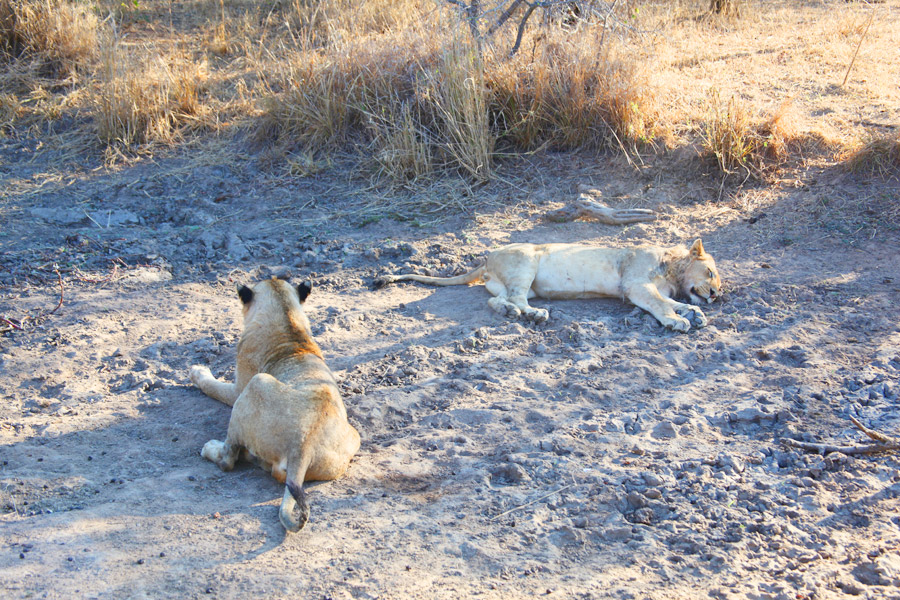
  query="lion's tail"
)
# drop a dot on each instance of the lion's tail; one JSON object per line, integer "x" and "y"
{"x": 469, "y": 277}
{"x": 294, "y": 497}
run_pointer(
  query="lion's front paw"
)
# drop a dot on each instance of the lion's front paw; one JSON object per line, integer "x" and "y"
{"x": 199, "y": 373}
{"x": 693, "y": 314}
{"x": 677, "y": 323}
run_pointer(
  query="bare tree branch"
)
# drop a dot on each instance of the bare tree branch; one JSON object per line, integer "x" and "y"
{"x": 884, "y": 443}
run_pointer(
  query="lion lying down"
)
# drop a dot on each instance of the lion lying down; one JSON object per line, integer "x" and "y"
{"x": 647, "y": 276}
{"x": 287, "y": 413}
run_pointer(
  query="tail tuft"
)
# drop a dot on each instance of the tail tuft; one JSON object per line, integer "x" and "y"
{"x": 293, "y": 497}
{"x": 382, "y": 281}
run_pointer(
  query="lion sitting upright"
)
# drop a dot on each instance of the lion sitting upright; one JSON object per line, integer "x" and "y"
{"x": 287, "y": 412}
{"x": 647, "y": 276}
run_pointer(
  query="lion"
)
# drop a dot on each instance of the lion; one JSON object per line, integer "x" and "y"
{"x": 287, "y": 413}
{"x": 647, "y": 276}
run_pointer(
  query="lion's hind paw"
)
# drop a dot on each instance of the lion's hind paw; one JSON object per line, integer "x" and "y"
{"x": 538, "y": 315}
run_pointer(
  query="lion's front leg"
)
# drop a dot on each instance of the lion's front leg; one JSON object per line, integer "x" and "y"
{"x": 225, "y": 393}
{"x": 667, "y": 311}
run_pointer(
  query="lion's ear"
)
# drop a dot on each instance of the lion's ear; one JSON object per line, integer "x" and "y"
{"x": 303, "y": 290}
{"x": 697, "y": 250}
{"x": 245, "y": 294}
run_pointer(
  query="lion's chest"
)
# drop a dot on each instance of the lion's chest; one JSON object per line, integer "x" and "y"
{"x": 577, "y": 273}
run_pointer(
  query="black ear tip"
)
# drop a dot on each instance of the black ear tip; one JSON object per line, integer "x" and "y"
{"x": 245, "y": 294}
{"x": 303, "y": 289}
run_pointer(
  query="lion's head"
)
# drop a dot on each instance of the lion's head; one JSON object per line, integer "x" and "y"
{"x": 700, "y": 280}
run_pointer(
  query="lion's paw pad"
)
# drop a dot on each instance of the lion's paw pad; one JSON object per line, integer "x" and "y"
{"x": 678, "y": 324}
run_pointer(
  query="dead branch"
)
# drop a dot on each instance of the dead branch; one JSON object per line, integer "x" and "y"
{"x": 588, "y": 208}
{"x": 504, "y": 17}
{"x": 878, "y": 437}
{"x": 547, "y": 495}
{"x": 521, "y": 31}
{"x": 10, "y": 324}
{"x": 884, "y": 443}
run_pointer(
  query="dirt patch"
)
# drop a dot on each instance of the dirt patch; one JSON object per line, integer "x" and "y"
{"x": 597, "y": 455}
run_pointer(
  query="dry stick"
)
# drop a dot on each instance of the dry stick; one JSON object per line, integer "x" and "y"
{"x": 885, "y": 443}
{"x": 521, "y": 32}
{"x": 11, "y": 324}
{"x": 505, "y": 16}
{"x": 861, "y": 38}
{"x": 548, "y": 494}
{"x": 606, "y": 22}
{"x": 880, "y": 437}
{"x": 60, "y": 293}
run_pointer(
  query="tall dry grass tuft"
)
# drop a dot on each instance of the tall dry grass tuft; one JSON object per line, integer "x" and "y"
{"x": 460, "y": 99}
{"x": 571, "y": 93}
{"x": 877, "y": 154}
{"x": 60, "y": 34}
{"x": 327, "y": 99}
{"x": 146, "y": 99}
{"x": 401, "y": 147}
{"x": 420, "y": 96}
{"x": 742, "y": 142}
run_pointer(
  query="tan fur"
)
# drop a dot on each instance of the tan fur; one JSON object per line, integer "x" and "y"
{"x": 287, "y": 412}
{"x": 647, "y": 276}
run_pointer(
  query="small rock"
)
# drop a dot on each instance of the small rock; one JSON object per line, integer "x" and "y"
{"x": 664, "y": 431}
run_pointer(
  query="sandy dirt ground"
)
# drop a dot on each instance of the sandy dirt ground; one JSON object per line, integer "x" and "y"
{"x": 597, "y": 455}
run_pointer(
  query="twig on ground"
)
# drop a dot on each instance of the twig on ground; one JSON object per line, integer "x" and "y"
{"x": 885, "y": 443}
{"x": 547, "y": 495}
{"x": 11, "y": 324}
{"x": 59, "y": 276}
{"x": 80, "y": 276}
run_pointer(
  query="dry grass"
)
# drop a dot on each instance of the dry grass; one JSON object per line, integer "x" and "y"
{"x": 877, "y": 154}
{"x": 572, "y": 94}
{"x": 60, "y": 35}
{"x": 742, "y": 142}
{"x": 146, "y": 99}
{"x": 399, "y": 84}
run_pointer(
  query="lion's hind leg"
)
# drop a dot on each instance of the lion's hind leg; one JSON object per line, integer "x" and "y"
{"x": 511, "y": 298}
{"x": 226, "y": 393}
{"x": 499, "y": 302}
{"x": 519, "y": 293}
{"x": 223, "y": 454}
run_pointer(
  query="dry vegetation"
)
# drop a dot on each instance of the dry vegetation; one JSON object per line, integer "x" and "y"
{"x": 411, "y": 87}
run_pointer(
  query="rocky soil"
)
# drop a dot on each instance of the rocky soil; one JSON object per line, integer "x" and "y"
{"x": 595, "y": 456}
